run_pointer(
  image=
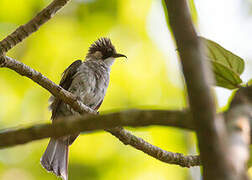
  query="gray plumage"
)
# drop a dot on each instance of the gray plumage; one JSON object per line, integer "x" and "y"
{"x": 88, "y": 81}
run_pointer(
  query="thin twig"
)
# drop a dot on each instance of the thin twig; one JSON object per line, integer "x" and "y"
{"x": 33, "y": 25}
{"x": 165, "y": 156}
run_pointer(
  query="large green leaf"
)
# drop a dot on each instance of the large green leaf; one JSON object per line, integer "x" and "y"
{"x": 227, "y": 67}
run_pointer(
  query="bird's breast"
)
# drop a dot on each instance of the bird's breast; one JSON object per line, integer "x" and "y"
{"x": 90, "y": 86}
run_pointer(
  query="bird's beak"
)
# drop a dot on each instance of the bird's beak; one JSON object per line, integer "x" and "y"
{"x": 119, "y": 55}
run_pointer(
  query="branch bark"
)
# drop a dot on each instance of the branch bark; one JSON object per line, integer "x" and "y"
{"x": 133, "y": 118}
{"x": 46, "y": 83}
{"x": 88, "y": 122}
{"x": 165, "y": 156}
{"x": 211, "y": 132}
{"x": 33, "y": 25}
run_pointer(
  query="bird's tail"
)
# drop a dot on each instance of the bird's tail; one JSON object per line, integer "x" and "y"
{"x": 55, "y": 158}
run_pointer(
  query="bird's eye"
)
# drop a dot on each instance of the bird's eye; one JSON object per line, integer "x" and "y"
{"x": 107, "y": 54}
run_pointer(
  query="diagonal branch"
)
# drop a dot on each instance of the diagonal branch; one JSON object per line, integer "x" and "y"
{"x": 46, "y": 83}
{"x": 165, "y": 156}
{"x": 33, "y": 25}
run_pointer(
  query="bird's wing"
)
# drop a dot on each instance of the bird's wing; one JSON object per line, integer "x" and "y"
{"x": 65, "y": 82}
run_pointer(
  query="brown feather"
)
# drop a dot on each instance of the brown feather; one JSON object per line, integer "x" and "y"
{"x": 65, "y": 82}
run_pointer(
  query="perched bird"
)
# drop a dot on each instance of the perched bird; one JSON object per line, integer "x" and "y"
{"x": 87, "y": 80}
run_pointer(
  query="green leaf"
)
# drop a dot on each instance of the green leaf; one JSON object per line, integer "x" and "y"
{"x": 225, "y": 77}
{"x": 227, "y": 67}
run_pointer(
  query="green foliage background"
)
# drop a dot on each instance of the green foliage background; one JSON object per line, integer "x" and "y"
{"x": 140, "y": 82}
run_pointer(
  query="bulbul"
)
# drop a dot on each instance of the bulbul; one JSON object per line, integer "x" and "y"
{"x": 87, "y": 80}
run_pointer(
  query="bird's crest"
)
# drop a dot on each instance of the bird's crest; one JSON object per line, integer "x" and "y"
{"x": 102, "y": 45}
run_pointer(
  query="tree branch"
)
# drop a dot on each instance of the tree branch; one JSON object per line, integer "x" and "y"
{"x": 211, "y": 131}
{"x": 165, "y": 156}
{"x": 88, "y": 122}
{"x": 46, "y": 83}
{"x": 33, "y": 25}
{"x": 133, "y": 118}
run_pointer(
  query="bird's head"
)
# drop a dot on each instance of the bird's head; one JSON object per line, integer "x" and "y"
{"x": 104, "y": 50}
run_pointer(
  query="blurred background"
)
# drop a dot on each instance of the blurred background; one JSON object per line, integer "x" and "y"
{"x": 149, "y": 79}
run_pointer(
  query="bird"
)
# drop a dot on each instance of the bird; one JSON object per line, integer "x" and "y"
{"x": 88, "y": 80}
